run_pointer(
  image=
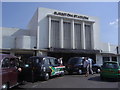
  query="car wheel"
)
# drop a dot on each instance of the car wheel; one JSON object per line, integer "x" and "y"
{"x": 62, "y": 74}
{"x": 102, "y": 78}
{"x": 46, "y": 76}
{"x": 79, "y": 71}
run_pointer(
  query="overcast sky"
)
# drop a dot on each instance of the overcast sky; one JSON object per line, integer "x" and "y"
{"x": 19, "y": 14}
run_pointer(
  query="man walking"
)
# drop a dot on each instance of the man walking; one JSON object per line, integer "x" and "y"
{"x": 90, "y": 65}
{"x": 86, "y": 66}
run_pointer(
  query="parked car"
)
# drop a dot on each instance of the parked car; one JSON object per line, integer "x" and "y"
{"x": 42, "y": 67}
{"x": 8, "y": 71}
{"x": 75, "y": 64}
{"x": 110, "y": 69}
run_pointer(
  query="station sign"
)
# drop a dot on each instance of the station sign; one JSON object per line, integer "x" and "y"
{"x": 70, "y": 15}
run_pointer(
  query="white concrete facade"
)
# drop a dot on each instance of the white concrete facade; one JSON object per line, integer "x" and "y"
{"x": 41, "y": 24}
{"x": 15, "y": 38}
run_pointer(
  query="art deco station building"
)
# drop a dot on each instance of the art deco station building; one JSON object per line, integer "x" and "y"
{"x": 59, "y": 34}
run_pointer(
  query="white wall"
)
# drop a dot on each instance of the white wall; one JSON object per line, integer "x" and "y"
{"x": 99, "y": 59}
{"x": 14, "y": 32}
{"x": 113, "y": 49}
{"x": 8, "y": 42}
{"x": 96, "y": 31}
{"x": 104, "y": 47}
{"x": 33, "y": 24}
{"x": 1, "y": 42}
{"x": 25, "y": 42}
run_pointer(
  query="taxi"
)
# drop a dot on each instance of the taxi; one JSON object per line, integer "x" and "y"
{"x": 42, "y": 67}
{"x": 110, "y": 69}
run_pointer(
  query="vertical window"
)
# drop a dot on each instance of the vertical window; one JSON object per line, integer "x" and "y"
{"x": 106, "y": 59}
{"x": 88, "y": 36}
{"x": 78, "y": 36}
{"x": 67, "y": 34}
{"x": 114, "y": 58}
{"x": 55, "y": 34}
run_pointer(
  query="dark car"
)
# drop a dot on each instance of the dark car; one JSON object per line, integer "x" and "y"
{"x": 8, "y": 71}
{"x": 42, "y": 67}
{"x": 75, "y": 64}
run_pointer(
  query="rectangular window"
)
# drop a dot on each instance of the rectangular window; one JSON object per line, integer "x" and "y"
{"x": 78, "y": 43}
{"x": 67, "y": 34}
{"x": 114, "y": 58}
{"x": 55, "y": 34}
{"x": 106, "y": 59}
{"x": 88, "y": 36}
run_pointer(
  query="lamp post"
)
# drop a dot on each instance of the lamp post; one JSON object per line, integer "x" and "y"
{"x": 35, "y": 51}
{"x": 117, "y": 48}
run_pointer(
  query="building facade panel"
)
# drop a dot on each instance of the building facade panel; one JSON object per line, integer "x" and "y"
{"x": 78, "y": 37}
{"x": 8, "y": 42}
{"x": 68, "y": 39}
{"x": 55, "y": 34}
{"x": 25, "y": 42}
{"x": 67, "y": 34}
{"x": 88, "y": 42}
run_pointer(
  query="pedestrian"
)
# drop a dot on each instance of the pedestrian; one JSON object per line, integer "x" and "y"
{"x": 90, "y": 65}
{"x": 86, "y": 66}
{"x": 60, "y": 61}
{"x": 20, "y": 70}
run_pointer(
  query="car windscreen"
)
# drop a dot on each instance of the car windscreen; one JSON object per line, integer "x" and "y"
{"x": 34, "y": 61}
{"x": 75, "y": 61}
{"x": 110, "y": 65}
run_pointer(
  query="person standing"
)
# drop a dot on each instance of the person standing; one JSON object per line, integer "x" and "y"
{"x": 90, "y": 65}
{"x": 86, "y": 66}
{"x": 60, "y": 61}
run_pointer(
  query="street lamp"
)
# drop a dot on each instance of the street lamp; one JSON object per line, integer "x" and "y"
{"x": 117, "y": 48}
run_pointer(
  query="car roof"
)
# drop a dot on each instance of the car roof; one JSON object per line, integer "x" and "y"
{"x": 76, "y": 57}
{"x": 6, "y": 55}
{"x": 110, "y": 62}
{"x": 41, "y": 57}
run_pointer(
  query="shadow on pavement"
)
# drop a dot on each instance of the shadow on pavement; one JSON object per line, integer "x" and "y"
{"x": 97, "y": 78}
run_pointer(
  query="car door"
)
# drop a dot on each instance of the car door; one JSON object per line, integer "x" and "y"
{"x": 13, "y": 73}
{"x": 46, "y": 64}
{"x": 53, "y": 66}
{"x": 5, "y": 70}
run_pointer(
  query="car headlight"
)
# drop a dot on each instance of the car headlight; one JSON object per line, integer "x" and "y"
{"x": 26, "y": 65}
{"x": 4, "y": 86}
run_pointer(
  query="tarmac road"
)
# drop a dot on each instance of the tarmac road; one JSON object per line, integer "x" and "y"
{"x": 73, "y": 81}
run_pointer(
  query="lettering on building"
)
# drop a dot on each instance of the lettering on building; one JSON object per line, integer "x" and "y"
{"x": 70, "y": 15}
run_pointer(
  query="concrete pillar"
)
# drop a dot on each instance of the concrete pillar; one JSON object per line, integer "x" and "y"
{"x": 73, "y": 34}
{"x": 110, "y": 58}
{"x": 83, "y": 35}
{"x": 61, "y": 33}
{"x": 12, "y": 52}
{"x": 109, "y": 47}
{"x": 92, "y": 37}
{"x": 37, "y": 39}
{"x": 49, "y": 26}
